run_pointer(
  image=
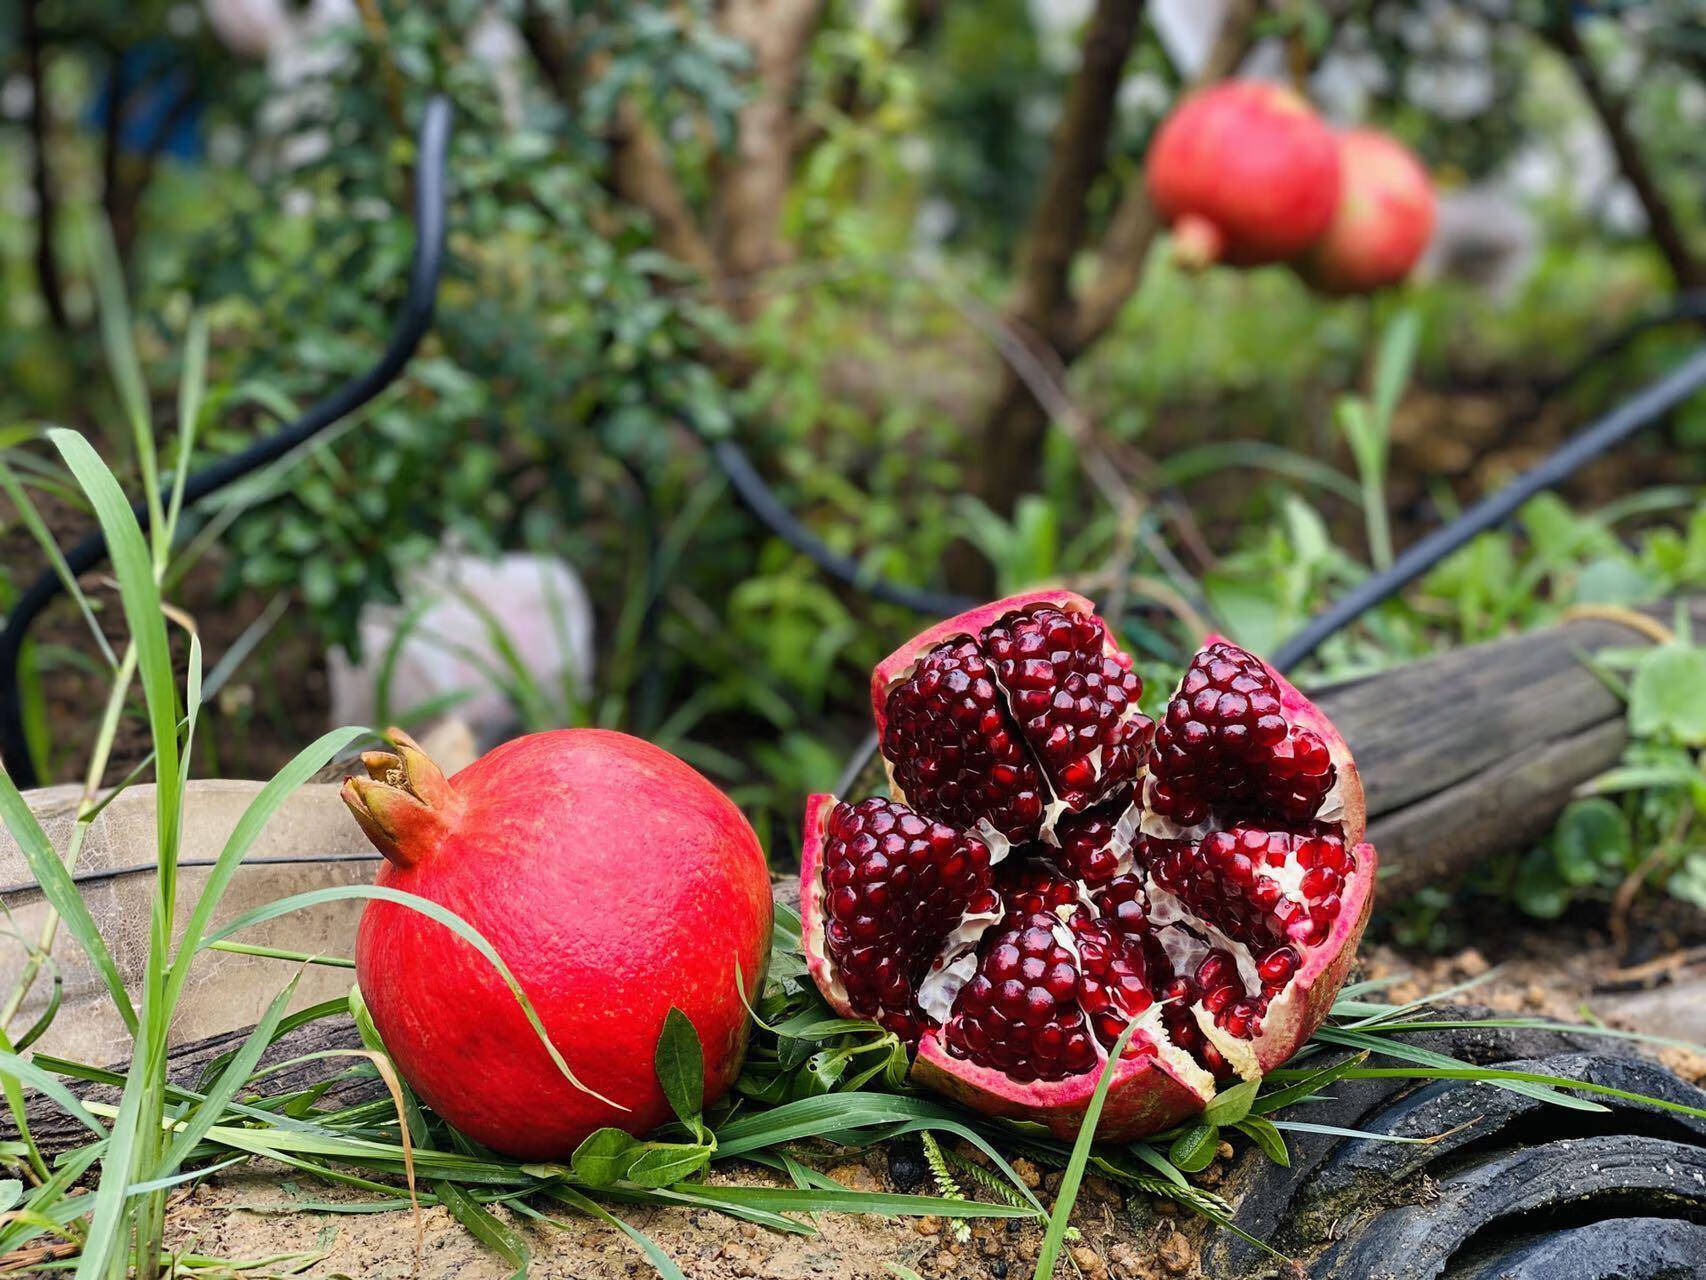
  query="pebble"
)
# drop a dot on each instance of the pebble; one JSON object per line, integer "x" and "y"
{"x": 998, "y": 1269}
{"x": 1176, "y": 1254}
{"x": 1224, "y": 1150}
{"x": 855, "y": 1177}
{"x": 929, "y": 1225}
{"x": 1472, "y": 964}
{"x": 1089, "y": 1264}
{"x": 1028, "y": 1173}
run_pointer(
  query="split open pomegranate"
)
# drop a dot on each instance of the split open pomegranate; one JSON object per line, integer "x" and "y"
{"x": 1052, "y": 866}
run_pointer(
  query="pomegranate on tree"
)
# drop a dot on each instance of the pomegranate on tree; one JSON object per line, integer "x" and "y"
{"x": 1244, "y": 172}
{"x": 1384, "y": 220}
{"x": 1053, "y": 866}
{"x": 614, "y": 881}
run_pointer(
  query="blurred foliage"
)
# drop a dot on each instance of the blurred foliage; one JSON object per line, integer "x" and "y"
{"x": 557, "y": 405}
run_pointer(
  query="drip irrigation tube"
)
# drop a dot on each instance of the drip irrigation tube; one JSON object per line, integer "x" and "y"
{"x": 425, "y": 268}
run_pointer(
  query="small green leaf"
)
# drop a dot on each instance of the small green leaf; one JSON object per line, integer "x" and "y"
{"x": 1229, "y": 1106}
{"x": 1268, "y": 1138}
{"x": 663, "y": 1164}
{"x": 680, "y": 1063}
{"x": 1193, "y": 1150}
{"x": 1667, "y": 697}
{"x": 11, "y": 1191}
{"x": 604, "y": 1158}
{"x": 1592, "y": 837}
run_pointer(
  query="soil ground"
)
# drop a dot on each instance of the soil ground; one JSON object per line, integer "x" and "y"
{"x": 1558, "y": 973}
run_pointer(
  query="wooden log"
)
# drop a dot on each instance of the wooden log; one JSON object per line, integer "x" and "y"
{"x": 1475, "y": 751}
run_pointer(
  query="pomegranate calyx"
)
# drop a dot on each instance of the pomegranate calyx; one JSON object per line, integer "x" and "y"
{"x": 405, "y": 805}
{"x": 1197, "y": 243}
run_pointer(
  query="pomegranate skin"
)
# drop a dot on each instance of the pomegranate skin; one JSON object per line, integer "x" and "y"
{"x": 1244, "y": 172}
{"x": 613, "y": 880}
{"x": 1384, "y": 220}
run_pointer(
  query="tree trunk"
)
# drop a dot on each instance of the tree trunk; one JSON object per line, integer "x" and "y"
{"x": 753, "y": 182}
{"x": 47, "y": 204}
{"x": 1015, "y": 425}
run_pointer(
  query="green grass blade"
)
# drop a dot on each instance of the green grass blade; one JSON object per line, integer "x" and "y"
{"x": 661, "y": 1261}
{"x": 191, "y": 388}
{"x": 122, "y": 363}
{"x": 261, "y": 810}
{"x": 140, "y": 595}
{"x": 207, "y": 1114}
{"x": 1064, "y": 1199}
{"x": 484, "y": 1227}
{"x": 31, "y": 517}
{"x": 433, "y": 911}
{"x": 60, "y": 890}
{"x": 108, "y": 1232}
{"x": 27, "y": 1071}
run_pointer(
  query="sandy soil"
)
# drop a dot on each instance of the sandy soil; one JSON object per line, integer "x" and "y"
{"x": 256, "y": 1213}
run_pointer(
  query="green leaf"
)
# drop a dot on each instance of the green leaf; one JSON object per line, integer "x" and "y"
{"x": 1229, "y": 1106}
{"x": 1592, "y": 837}
{"x": 663, "y": 1164}
{"x": 1193, "y": 1150}
{"x": 604, "y": 1157}
{"x": 1539, "y": 889}
{"x": 1268, "y": 1138}
{"x": 11, "y": 1191}
{"x": 680, "y": 1064}
{"x": 1393, "y": 364}
{"x": 1667, "y": 697}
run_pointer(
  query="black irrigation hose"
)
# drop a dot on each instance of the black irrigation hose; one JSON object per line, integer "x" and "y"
{"x": 762, "y": 501}
{"x": 1647, "y": 406}
{"x": 413, "y": 321}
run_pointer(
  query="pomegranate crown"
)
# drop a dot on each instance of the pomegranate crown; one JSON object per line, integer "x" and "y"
{"x": 405, "y": 805}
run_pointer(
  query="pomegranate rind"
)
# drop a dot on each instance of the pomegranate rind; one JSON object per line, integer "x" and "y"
{"x": 1253, "y": 162}
{"x": 812, "y": 915}
{"x": 899, "y": 664}
{"x": 1145, "y": 1096}
{"x": 1384, "y": 221}
{"x": 1293, "y": 1016}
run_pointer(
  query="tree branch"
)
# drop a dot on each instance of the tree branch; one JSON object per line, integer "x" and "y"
{"x": 642, "y": 173}
{"x": 1667, "y": 231}
{"x": 753, "y": 182}
{"x": 1043, "y": 299}
{"x": 1134, "y": 226}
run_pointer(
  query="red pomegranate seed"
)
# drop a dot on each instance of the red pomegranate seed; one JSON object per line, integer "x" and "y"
{"x": 1019, "y": 1013}
{"x": 1075, "y": 702}
{"x": 895, "y": 884}
{"x": 1088, "y": 850}
{"x": 1224, "y": 745}
{"x": 953, "y": 747}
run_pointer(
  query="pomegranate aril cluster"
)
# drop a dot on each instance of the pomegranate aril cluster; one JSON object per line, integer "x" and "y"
{"x": 954, "y": 751}
{"x": 895, "y": 884}
{"x": 1020, "y": 1014}
{"x": 1038, "y": 707}
{"x": 1224, "y": 744}
{"x": 1075, "y": 702}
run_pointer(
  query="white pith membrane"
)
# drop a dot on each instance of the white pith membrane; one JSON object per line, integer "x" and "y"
{"x": 1184, "y": 936}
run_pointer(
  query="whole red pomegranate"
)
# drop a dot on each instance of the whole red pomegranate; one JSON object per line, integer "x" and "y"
{"x": 613, "y": 880}
{"x": 1053, "y": 866}
{"x": 1384, "y": 220}
{"x": 1244, "y": 172}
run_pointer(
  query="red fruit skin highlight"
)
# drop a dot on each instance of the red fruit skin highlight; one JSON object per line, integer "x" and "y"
{"x": 1384, "y": 221}
{"x": 613, "y": 880}
{"x": 1244, "y": 172}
